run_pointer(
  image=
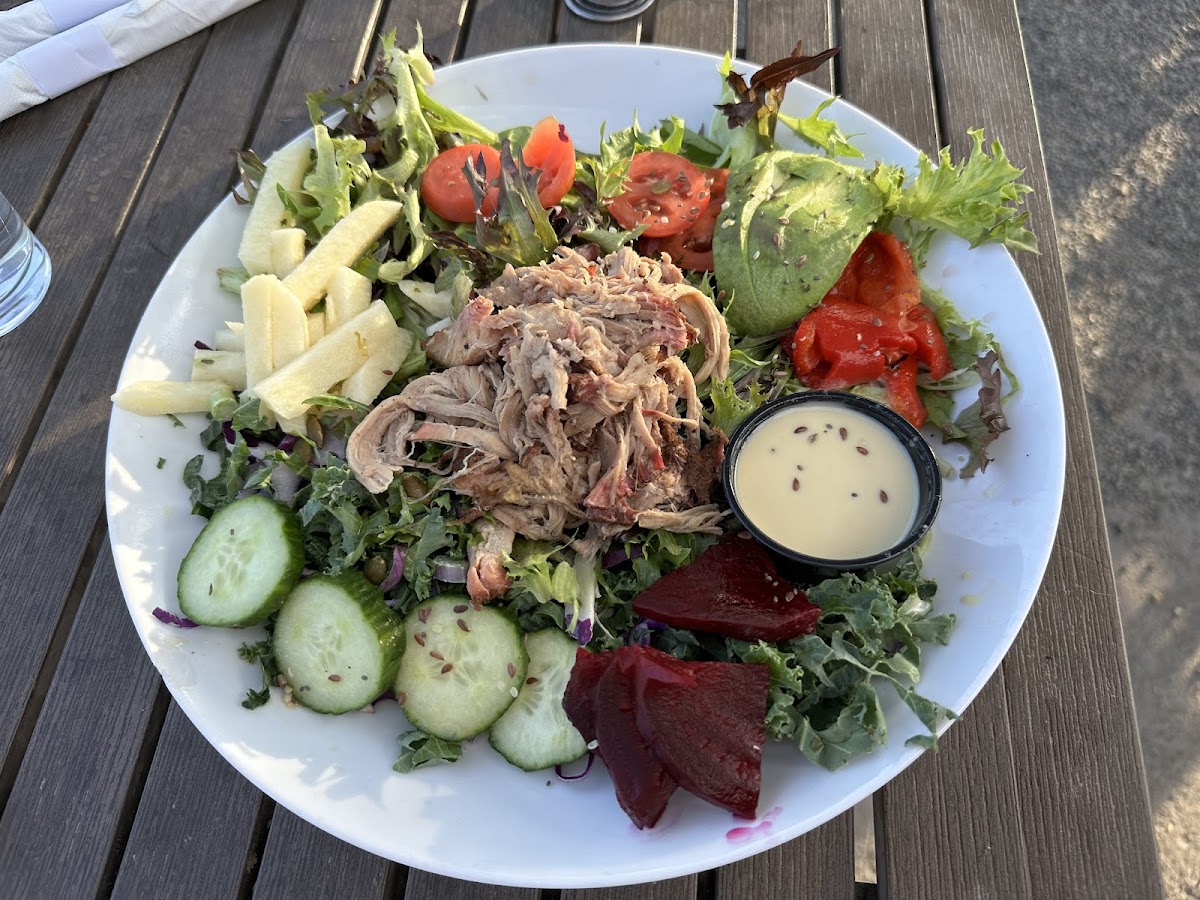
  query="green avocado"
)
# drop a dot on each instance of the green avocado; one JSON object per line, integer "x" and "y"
{"x": 792, "y": 223}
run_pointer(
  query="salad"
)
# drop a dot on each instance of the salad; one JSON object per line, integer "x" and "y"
{"x": 469, "y": 425}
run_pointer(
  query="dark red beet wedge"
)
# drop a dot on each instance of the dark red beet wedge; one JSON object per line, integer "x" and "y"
{"x": 579, "y": 700}
{"x": 704, "y": 722}
{"x": 733, "y": 589}
{"x": 642, "y": 784}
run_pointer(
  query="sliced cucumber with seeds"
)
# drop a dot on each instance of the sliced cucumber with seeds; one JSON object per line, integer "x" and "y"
{"x": 243, "y": 564}
{"x": 336, "y": 642}
{"x": 535, "y": 733}
{"x": 462, "y": 666}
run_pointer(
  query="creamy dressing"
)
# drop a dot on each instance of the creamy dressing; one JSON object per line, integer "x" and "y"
{"x": 827, "y": 481}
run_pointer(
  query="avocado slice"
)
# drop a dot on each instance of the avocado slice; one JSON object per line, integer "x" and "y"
{"x": 792, "y": 224}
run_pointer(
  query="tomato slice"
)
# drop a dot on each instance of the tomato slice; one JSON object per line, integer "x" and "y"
{"x": 692, "y": 248}
{"x": 444, "y": 186}
{"x": 663, "y": 191}
{"x": 551, "y": 150}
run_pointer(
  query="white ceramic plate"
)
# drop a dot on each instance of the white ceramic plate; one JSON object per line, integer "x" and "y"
{"x": 481, "y": 819}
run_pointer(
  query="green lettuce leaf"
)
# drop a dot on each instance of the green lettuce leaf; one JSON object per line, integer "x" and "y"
{"x": 337, "y": 173}
{"x": 977, "y": 199}
{"x": 824, "y": 134}
{"x": 419, "y": 749}
{"x": 520, "y": 231}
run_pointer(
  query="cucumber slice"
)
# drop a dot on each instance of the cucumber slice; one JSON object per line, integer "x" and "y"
{"x": 337, "y": 643}
{"x": 242, "y": 565}
{"x": 462, "y": 667}
{"x": 535, "y": 733}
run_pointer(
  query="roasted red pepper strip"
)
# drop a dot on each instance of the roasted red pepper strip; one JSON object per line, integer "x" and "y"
{"x": 931, "y": 350}
{"x": 902, "y": 396}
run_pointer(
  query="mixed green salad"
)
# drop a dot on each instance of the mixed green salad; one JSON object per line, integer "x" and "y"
{"x": 763, "y": 232}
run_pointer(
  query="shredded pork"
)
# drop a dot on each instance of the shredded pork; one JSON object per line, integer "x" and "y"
{"x": 563, "y": 402}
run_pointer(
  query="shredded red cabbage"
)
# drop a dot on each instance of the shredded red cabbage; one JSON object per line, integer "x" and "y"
{"x": 558, "y": 770}
{"x": 396, "y": 572}
{"x": 617, "y": 555}
{"x": 288, "y": 442}
{"x": 200, "y": 345}
{"x": 170, "y": 618}
{"x": 451, "y": 571}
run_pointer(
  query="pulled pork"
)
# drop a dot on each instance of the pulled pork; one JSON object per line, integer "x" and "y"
{"x": 563, "y": 402}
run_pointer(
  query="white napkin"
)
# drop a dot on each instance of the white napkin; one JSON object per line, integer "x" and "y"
{"x": 117, "y": 36}
{"x": 33, "y": 21}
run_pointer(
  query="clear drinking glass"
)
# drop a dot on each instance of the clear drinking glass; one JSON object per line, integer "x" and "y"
{"x": 24, "y": 269}
{"x": 608, "y": 10}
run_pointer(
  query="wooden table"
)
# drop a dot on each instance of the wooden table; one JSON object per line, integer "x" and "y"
{"x": 108, "y": 790}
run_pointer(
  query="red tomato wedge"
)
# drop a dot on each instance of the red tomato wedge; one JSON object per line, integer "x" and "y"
{"x": 445, "y": 188}
{"x": 663, "y": 191}
{"x": 550, "y": 150}
{"x": 692, "y": 248}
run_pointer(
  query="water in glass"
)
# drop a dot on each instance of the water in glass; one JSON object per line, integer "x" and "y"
{"x": 24, "y": 269}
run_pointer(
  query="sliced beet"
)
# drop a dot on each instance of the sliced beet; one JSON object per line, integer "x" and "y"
{"x": 642, "y": 783}
{"x": 706, "y": 726}
{"x": 579, "y": 699}
{"x": 732, "y": 589}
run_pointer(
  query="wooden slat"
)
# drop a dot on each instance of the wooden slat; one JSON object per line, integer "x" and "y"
{"x": 441, "y": 25}
{"x": 710, "y": 26}
{"x": 195, "y": 822}
{"x": 61, "y": 480}
{"x": 574, "y": 29}
{"x": 64, "y": 815}
{"x": 329, "y": 44}
{"x": 941, "y": 829}
{"x": 426, "y": 886}
{"x": 886, "y": 68}
{"x": 301, "y": 861}
{"x": 506, "y": 24}
{"x": 774, "y": 26}
{"x": 97, "y": 188}
{"x": 673, "y": 889}
{"x": 38, "y": 143}
{"x": 924, "y": 845}
{"x": 1067, "y": 676}
{"x": 815, "y": 866}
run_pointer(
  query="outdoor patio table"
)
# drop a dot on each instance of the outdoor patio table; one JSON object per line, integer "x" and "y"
{"x": 108, "y": 790}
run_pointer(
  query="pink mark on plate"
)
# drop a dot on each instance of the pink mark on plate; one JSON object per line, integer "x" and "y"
{"x": 950, "y": 271}
{"x": 744, "y": 833}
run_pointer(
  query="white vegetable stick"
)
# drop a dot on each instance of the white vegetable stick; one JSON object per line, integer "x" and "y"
{"x": 316, "y": 327}
{"x": 366, "y": 383}
{"x": 426, "y": 296}
{"x": 289, "y": 326}
{"x": 256, "y": 311}
{"x": 225, "y": 366}
{"x": 287, "y": 250}
{"x": 348, "y": 294}
{"x": 235, "y": 327}
{"x": 227, "y": 339}
{"x": 342, "y": 245}
{"x": 286, "y": 167}
{"x": 160, "y": 398}
{"x": 336, "y": 356}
